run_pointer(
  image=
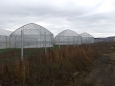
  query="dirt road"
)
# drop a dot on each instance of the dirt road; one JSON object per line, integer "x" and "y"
{"x": 104, "y": 72}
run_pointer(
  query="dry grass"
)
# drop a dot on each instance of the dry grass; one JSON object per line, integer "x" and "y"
{"x": 59, "y": 67}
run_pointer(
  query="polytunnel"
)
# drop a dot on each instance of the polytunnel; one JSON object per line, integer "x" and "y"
{"x": 4, "y": 38}
{"x": 86, "y": 38}
{"x": 67, "y": 37}
{"x": 34, "y": 36}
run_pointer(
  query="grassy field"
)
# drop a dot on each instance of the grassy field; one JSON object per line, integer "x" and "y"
{"x": 67, "y": 66}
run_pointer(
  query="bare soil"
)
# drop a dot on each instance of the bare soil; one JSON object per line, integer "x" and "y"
{"x": 103, "y": 74}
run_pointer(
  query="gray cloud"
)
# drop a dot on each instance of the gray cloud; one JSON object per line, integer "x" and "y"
{"x": 57, "y": 16}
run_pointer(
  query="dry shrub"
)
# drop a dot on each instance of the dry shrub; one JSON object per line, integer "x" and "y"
{"x": 79, "y": 56}
{"x": 55, "y": 68}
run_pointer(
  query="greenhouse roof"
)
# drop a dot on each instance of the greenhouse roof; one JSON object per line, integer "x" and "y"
{"x": 85, "y": 35}
{"x": 68, "y": 33}
{"x": 5, "y": 32}
{"x": 31, "y": 29}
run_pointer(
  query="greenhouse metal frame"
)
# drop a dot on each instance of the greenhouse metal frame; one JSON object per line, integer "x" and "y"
{"x": 68, "y": 37}
{"x": 4, "y": 38}
{"x": 86, "y": 38}
{"x": 34, "y": 36}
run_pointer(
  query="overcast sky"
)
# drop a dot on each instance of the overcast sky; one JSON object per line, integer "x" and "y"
{"x": 96, "y": 17}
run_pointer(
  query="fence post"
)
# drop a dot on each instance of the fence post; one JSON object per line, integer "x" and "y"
{"x": 74, "y": 40}
{"x": 22, "y": 45}
{"x": 80, "y": 39}
{"x": 9, "y": 42}
{"x": 6, "y": 41}
{"x": 40, "y": 37}
{"x": 15, "y": 41}
{"x": 51, "y": 42}
{"x": 45, "y": 43}
{"x": 36, "y": 44}
{"x": 59, "y": 42}
{"x": 68, "y": 41}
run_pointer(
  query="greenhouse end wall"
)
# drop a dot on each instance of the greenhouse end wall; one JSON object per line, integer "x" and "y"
{"x": 86, "y": 38}
{"x": 67, "y": 37}
{"x": 4, "y": 38}
{"x": 34, "y": 36}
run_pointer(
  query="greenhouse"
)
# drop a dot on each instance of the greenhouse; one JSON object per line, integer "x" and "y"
{"x": 67, "y": 37}
{"x": 4, "y": 38}
{"x": 86, "y": 38}
{"x": 32, "y": 35}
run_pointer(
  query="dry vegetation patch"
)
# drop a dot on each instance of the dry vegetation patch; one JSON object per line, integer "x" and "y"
{"x": 67, "y": 66}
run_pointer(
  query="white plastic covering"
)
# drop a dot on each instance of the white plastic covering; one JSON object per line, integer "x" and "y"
{"x": 67, "y": 37}
{"x": 4, "y": 38}
{"x": 86, "y": 38}
{"x": 34, "y": 36}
